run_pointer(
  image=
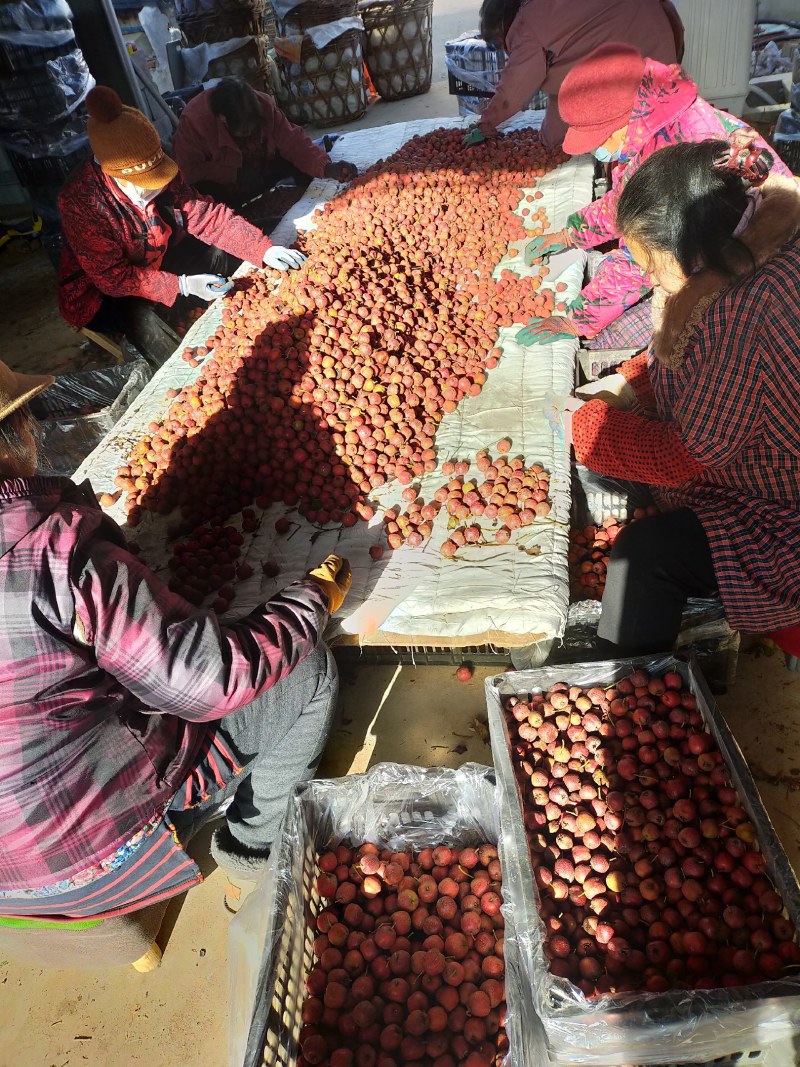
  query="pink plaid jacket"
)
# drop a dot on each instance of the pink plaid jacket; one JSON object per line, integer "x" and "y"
{"x": 108, "y": 680}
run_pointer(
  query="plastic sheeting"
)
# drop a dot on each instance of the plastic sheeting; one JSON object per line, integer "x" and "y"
{"x": 396, "y": 807}
{"x": 41, "y": 24}
{"x": 506, "y": 594}
{"x": 681, "y": 1026}
{"x": 78, "y": 411}
{"x": 57, "y": 88}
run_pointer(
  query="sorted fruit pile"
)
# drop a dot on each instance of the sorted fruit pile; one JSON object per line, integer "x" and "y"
{"x": 512, "y": 493}
{"x": 329, "y": 382}
{"x": 589, "y": 549}
{"x": 648, "y": 870}
{"x": 409, "y": 960}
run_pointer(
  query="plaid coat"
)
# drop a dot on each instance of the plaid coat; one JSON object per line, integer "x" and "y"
{"x": 109, "y": 681}
{"x": 113, "y": 248}
{"x": 667, "y": 110}
{"x": 721, "y": 428}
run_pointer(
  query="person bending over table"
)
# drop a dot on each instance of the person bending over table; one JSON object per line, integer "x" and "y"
{"x": 544, "y": 40}
{"x": 708, "y": 418}
{"x": 128, "y": 715}
{"x": 235, "y": 143}
{"x": 136, "y": 234}
{"x": 623, "y": 108}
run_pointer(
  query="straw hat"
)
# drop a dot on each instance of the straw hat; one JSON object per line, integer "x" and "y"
{"x": 125, "y": 142}
{"x": 18, "y": 389}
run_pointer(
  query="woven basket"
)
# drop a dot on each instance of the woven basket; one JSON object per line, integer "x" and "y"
{"x": 248, "y": 62}
{"x": 327, "y": 86}
{"x": 399, "y": 50}
{"x": 315, "y": 13}
{"x": 226, "y": 25}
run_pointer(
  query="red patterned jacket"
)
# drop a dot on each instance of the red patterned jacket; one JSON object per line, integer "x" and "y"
{"x": 114, "y": 248}
{"x": 719, "y": 430}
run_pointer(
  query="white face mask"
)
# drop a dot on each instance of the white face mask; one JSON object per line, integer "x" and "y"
{"x": 139, "y": 197}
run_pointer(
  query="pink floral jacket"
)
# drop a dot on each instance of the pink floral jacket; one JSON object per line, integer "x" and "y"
{"x": 667, "y": 110}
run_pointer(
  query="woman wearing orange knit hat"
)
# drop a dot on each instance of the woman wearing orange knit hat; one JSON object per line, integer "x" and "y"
{"x": 136, "y": 234}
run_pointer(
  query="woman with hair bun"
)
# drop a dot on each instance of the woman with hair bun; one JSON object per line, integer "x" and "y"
{"x": 708, "y": 417}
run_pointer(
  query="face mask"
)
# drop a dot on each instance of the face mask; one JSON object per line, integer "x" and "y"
{"x": 604, "y": 156}
{"x": 139, "y": 197}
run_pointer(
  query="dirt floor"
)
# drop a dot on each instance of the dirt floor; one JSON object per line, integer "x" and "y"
{"x": 177, "y": 1016}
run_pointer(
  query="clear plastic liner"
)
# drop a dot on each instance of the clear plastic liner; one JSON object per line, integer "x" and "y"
{"x": 48, "y": 95}
{"x": 394, "y": 806}
{"x": 57, "y": 140}
{"x": 685, "y": 1026}
{"x": 40, "y": 24}
{"x": 77, "y": 412}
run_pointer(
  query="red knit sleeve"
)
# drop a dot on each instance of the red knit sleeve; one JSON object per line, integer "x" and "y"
{"x": 635, "y": 373}
{"x": 216, "y": 224}
{"x": 622, "y": 445}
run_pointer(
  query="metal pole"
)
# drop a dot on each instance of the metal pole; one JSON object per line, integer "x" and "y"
{"x": 100, "y": 39}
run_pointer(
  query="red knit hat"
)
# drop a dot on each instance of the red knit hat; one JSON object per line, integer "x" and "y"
{"x": 596, "y": 97}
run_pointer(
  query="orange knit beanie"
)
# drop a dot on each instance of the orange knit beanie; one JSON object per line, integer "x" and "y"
{"x": 125, "y": 142}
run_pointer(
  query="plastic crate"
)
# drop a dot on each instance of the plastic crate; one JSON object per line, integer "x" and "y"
{"x": 51, "y": 171}
{"x": 22, "y": 59}
{"x": 47, "y": 95}
{"x": 721, "y": 1026}
{"x": 399, "y": 807}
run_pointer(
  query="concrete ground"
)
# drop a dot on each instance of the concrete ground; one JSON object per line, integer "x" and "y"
{"x": 178, "y": 1015}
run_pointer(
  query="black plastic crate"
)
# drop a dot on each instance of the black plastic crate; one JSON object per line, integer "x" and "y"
{"x": 41, "y": 174}
{"x": 20, "y": 59}
{"x": 458, "y": 87}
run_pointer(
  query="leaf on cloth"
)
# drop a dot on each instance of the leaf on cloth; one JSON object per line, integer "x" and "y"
{"x": 459, "y": 750}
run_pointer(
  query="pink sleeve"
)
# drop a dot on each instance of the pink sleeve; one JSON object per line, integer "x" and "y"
{"x": 618, "y": 285}
{"x": 294, "y": 144}
{"x": 216, "y": 224}
{"x": 522, "y": 75}
{"x": 622, "y": 445}
{"x": 596, "y": 223}
{"x": 179, "y": 659}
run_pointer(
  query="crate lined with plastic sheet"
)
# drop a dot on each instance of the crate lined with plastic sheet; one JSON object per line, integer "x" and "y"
{"x": 394, "y": 806}
{"x": 681, "y": 1026}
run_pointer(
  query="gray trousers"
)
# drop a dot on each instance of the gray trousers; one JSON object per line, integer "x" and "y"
{"x": 279, "y": 738}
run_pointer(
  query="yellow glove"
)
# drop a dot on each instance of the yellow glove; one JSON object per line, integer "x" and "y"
{"x": 333, "y": 576}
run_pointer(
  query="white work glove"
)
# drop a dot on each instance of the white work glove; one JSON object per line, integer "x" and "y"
{"x": 613, "y": 389}
{"x": 281, "y": 258}
{"x": 204, "y": 286}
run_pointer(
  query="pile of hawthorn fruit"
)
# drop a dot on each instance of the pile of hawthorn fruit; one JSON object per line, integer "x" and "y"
{"x": 649, "y": 874}
{"x": 409, "y": 965}
{"x": 512, "y": 493}
{"x": 589, "y": 549}
{"x": 322, "y": 385}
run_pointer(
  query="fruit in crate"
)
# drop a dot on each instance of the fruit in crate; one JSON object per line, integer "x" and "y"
{"x": 408, "y": 959}
{"x": 647, "y": 867}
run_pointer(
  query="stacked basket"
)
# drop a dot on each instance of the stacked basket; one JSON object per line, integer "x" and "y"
{"x": 399, "y": 50}
{"x": 216, "y": 21}
{"x": 44, "y": 81}
{"x": 324, "y": 86}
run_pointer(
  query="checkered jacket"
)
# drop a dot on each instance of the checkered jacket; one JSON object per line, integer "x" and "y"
{"x": 109, "y": 681}
{"x": 725, "y": 440}
{"x": 113, "y": 248}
